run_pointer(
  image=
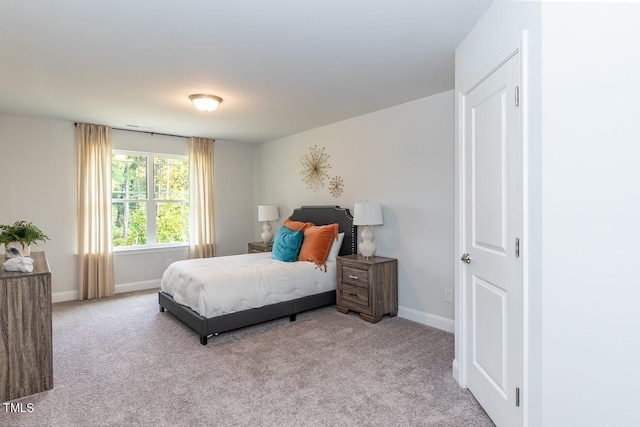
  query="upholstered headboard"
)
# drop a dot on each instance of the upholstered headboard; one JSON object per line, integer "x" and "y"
{"x": 323, "y": 215}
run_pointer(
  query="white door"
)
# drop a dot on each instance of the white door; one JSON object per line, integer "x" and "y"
{"x": 492, "y": 225}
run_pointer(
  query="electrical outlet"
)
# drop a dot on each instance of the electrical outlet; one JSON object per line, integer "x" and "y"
{"x": 448, "y": 295}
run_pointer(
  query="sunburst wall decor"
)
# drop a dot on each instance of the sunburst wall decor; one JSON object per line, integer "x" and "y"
{"x": 336, "y": 186}
{"x": 314, "y": 168}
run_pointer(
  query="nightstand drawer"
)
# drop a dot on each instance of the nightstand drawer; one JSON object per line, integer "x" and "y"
{"x": 355, "y": 294}
{"x": 257, "y": 247}
{"x": 355, "y": 276}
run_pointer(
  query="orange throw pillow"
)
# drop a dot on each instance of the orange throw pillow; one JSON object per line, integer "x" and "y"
{"x": 317, "y": 243}
{"x": 296, "y": 225}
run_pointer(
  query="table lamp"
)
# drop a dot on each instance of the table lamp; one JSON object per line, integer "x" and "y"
{"x": 267, "y": 213}
{"x": 367, "y": 214}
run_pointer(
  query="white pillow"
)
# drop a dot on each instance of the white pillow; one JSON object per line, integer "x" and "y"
{"x": 335, "y": 247}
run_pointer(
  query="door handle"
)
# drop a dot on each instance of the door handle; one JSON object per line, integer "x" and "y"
{"x": 466, "y": 258}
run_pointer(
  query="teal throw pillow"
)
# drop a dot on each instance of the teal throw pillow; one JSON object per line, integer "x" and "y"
{"x": 287, "y": 244}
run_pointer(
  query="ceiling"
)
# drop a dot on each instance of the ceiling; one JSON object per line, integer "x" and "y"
{"x": 281, "y": 66}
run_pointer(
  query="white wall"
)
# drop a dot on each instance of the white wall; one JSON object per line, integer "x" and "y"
{"x": 44, "y": 191}
{"x": 234, "y": 197}
{"x": 590, "y": 208}
{"x": 401, "y": 157}
{"x": 38, "y": 164}
{"x": 583, "y": 198}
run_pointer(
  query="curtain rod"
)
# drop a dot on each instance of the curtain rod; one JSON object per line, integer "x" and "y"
{"x": 145, "y": 131}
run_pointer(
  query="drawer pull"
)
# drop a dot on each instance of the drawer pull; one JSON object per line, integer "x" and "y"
{"x": 351, "y": 276}
{"x": 352, "y": 294}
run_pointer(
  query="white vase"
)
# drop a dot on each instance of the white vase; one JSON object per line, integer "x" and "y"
{"x": 25, "y": 250}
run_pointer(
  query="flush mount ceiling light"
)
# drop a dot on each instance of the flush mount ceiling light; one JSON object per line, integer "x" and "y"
{"x": 205, "y": 102}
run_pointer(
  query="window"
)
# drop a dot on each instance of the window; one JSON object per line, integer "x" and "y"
{"x": 150, "y": 199}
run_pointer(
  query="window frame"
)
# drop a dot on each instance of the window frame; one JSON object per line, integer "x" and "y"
{"x": 150, "y": 201}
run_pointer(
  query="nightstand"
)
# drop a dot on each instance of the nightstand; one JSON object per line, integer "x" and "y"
{"x": 367, "y": 286}
{"x": 259, "y": 247}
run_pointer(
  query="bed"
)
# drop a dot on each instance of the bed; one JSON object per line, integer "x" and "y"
{"x": 206, "y": 318}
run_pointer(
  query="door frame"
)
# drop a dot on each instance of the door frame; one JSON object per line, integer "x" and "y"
{"x": 461, "y": 352}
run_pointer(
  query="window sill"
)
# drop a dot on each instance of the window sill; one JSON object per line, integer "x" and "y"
{"x": 149, "y": 249}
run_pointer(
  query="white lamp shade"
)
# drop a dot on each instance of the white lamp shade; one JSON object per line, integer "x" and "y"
{"x": 367, "y": 214}
{"x": 205, "y": 102}
{"x": 268, "y": 213}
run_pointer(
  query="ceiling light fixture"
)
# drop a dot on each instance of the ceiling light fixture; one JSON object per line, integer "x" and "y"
{"x": 205, "y": 102}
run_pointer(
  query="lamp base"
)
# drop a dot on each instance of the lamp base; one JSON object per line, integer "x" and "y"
{"x": 367, "y": 247}
{"x": 266, "y": 235}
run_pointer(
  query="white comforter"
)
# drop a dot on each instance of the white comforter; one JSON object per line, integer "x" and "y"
{"x": 222, "y": 285}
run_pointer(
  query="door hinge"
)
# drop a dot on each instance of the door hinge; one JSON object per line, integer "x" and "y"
{"x": 517, "y": 96}
{"x": 517, "y": 396}
{"x": 517, "y": 247}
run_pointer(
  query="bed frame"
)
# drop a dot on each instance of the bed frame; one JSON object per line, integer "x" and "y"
{"x": 207, "y": 327}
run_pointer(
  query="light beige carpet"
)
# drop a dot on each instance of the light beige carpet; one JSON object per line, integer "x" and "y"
{"x": 120, "y": 362}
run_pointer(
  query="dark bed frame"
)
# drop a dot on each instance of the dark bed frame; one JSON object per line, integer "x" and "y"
{"x": 207, "y": 327}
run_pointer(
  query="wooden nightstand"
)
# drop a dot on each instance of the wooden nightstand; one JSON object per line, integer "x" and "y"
{"x": 368, "y": 286}
{"x": 259, "y": 247}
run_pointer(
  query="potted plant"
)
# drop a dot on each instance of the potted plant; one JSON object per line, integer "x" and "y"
{"x": 22, "y": 235}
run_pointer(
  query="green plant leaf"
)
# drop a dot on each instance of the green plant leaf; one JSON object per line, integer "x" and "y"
{"x": 24, "y": 232}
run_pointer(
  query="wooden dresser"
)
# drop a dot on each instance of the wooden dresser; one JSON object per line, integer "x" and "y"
{"x": 367, "y": 286}
{"x": 26, "y": 362}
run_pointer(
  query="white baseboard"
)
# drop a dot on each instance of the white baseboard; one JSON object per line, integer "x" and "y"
{"x": 432, "y": 320}
{"x": 122, "y": 288}
{"x": 64, "y": 296}
{"x": 455, "y": 371}
{"x": 137, "y": 286}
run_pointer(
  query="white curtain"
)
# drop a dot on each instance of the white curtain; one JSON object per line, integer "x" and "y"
{"x": 201, "y": 219}
{"x": 95, "y": 257}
